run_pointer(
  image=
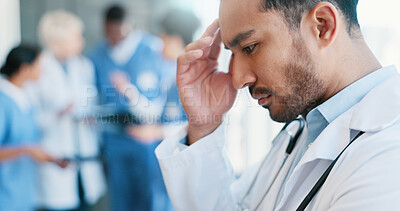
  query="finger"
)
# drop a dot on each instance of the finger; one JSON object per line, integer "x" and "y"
{"x": 48, "y": 158}
{"x": 185, "y": 60}
{"x": 200, "y": 44}
{"x": 216, "y": 46}
{"x": 62, "y": 164}
{"x": 212, "y": 29}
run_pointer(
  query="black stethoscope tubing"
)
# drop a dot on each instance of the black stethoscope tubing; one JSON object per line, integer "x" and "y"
{"x": 293, "y": 140}
{"x": 289, "y": 149}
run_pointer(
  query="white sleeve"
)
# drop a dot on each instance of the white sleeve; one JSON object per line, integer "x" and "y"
{"x": 198, "y": 177}
{"x": 170, "y": 129}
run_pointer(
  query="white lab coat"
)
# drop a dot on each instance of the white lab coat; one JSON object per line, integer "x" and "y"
{"x": 366, "y": 177}
{"x": 54, "y": 91}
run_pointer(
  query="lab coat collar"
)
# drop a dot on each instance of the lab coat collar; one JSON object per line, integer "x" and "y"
{"x": 385, "y": 113}
{"x": 358, "y": 118}
{"x": 15, "y": 93}
{"x": 48, "y": 59}
{"x": 352, "y": 94}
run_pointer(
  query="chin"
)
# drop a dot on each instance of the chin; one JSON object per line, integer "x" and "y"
{"x": 273, "y": 114}
{"x": 281, "y": 115}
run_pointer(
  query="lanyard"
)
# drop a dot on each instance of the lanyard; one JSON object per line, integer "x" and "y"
{"x": 323, "y": 178}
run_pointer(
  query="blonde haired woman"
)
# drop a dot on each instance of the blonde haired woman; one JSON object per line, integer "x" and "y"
{"x": 64, "y": 93}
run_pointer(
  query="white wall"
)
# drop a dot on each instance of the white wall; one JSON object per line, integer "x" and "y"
{"x": 10, "y": 32}
{"x": 380, "y": 24}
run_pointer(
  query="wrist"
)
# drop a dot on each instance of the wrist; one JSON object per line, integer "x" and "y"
{"x": 197, "y": 132}
{"x": 25, "y": 150}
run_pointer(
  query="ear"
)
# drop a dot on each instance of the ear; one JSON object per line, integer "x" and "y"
{"x": 324, "y": 20}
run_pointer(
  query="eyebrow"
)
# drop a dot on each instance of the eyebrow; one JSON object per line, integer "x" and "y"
{"x": 240, "y": 38}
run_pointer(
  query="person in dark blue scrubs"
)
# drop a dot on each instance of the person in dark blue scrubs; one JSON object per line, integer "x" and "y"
{"x": 19, "y": 132}
{"x": 129, "y": 153}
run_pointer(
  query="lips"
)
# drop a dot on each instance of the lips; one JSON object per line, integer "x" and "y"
{"x": 263, "y": 95}
{"x": 262, "y": 99}
{"x": 259, "y": 96}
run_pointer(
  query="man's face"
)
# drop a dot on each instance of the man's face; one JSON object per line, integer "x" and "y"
{"x": 271, "y": 59}
{"x": 116, "y": 31}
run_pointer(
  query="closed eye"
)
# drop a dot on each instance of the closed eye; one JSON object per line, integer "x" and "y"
{"x": 249, "y": 49}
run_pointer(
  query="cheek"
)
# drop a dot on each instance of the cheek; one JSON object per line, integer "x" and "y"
{"x": 66, "y": 46}
{"x": 37, "y": 73}
{"x": 78, "y": 45}
{"x": 270, "y": 71}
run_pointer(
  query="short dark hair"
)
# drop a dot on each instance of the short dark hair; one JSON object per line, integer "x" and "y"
{"x": 181, "y": 23}
{"x": 293, "y": 10}
{"x": 115, "y": 13}
{"x": 23, "y": 54}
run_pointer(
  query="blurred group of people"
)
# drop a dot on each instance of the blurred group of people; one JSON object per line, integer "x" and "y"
{"x": 72, "y": 126}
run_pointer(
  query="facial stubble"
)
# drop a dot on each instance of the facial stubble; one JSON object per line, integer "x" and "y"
{"x": 305, "y": 90}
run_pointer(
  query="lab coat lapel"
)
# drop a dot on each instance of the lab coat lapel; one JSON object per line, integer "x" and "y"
{"x": 326, "y": 147}
{"x": 267, "y": 181}
{"x": 54, "y": 72}
{"x": 336, "y": 136}
{"x": 331, "y": 141}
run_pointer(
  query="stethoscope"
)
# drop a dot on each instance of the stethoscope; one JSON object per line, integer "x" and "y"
{"x": 289, "y": 149}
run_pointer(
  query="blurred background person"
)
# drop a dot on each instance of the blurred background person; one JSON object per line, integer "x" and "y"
{"x": 129, "y": 78}
{"x": 19, "y": 132}
{"x": 64, "y": 94}
{"x": 177, "y": 30}
{"x": 178, "y": 27}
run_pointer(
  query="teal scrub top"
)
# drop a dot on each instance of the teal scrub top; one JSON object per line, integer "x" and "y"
{"x": 17, "y": 175}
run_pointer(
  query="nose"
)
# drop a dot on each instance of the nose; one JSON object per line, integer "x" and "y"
{"x": 241, "y": 73}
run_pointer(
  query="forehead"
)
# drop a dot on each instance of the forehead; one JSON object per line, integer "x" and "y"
{"x": 238, "y": 16}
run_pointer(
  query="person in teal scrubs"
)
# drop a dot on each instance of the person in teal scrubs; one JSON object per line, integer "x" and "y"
{"x": 19, "y": 132}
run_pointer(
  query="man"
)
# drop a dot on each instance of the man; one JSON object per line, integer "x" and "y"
{"x": 129, "y": 72}
{"x": 297, "y": 58}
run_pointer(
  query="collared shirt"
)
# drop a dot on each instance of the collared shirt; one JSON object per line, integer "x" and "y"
{"x": 15, "y": 93}
{"x": 122, "y": 52}
{"x": 320, "y": 117}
